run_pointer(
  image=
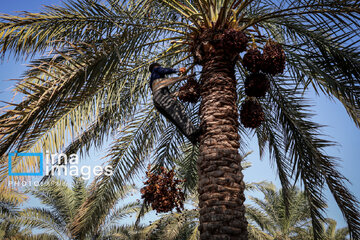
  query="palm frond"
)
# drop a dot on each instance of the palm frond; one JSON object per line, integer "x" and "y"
{"x": 256, "y": 234}
{"x": 330, "y": 65}
{"x": 57, "y": 195}
{"x": 310, "y": 163}
{"x": 187, "y": 170}
{"x": 44, "y": 219}
{"x": 8, "y": 208}
{"x": 259, "y": 218}
{"x": 78, "y": 21}
{"x": 79, "y": 193}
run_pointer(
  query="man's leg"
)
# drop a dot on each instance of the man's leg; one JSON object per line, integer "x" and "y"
{"x": 174, "y": 112}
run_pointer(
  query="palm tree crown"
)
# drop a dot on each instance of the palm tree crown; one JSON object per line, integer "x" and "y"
{"x": 277, "y": 219}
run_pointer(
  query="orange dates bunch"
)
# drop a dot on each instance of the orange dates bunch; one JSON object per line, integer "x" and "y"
{"x": 161, "y": 191}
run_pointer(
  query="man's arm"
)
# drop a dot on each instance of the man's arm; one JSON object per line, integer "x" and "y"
{"x": 162, "y": 70}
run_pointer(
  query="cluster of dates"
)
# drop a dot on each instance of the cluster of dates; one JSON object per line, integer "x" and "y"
{"x": 190, "y": 91}
{"x": 162, "y": 191}
{"x": 270, "y": 62}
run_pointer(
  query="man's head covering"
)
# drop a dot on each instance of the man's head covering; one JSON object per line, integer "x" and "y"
{"x": 153, "y": 65}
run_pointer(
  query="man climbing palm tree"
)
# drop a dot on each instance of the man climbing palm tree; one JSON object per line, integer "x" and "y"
{"x": 169, "y": 106}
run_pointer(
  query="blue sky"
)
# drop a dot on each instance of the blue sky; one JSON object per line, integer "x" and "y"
{"x": 330, "y": 113}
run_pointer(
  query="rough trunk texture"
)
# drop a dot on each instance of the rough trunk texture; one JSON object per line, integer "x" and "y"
{"x": 221, "y": 186}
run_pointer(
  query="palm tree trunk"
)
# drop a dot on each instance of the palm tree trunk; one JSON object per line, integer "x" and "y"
{"x": 221, "y": 186}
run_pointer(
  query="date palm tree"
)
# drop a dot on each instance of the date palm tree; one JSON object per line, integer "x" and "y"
{"x": 13, "y": 229}
{"x": 8, "y": 229}
{"x": 270, "y": 213}
{"x": 61, "y": 204}
{"x": 330, "y": 232}
{"x": 94, "y": 83}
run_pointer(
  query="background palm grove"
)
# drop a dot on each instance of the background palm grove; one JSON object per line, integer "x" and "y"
{"x": 259, "y": 57}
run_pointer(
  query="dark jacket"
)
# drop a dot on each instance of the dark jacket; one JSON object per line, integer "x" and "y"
{"x": 160, "y": 72}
